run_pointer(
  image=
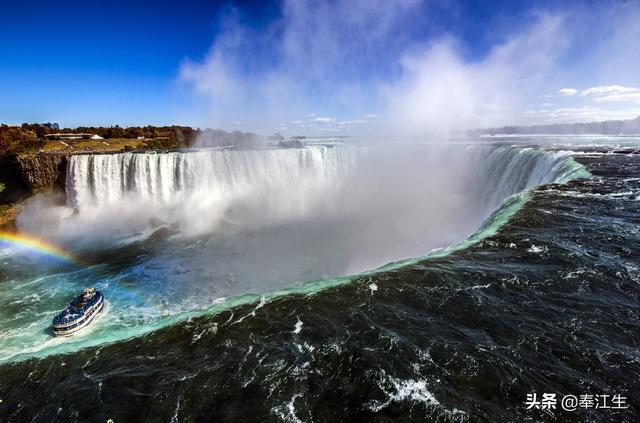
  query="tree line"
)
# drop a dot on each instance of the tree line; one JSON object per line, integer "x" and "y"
{"x": 31, "y": 136}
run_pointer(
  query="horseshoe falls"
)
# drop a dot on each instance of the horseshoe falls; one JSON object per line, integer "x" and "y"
{"x": 168, "y": 236}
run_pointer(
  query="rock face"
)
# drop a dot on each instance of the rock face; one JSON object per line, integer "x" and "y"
{"x": 43, "y": 171}
{"x": 12, "y": 180}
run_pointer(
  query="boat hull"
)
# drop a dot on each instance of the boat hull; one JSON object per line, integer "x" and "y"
{"x": 72, "y": 328}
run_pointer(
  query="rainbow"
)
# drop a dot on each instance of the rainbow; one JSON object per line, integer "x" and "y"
{"x": 37, "y": 245}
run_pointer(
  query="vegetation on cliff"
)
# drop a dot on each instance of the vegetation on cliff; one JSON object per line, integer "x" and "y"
{"x": 31, "y": 138}
{"x": 16, "y": 139}
{"x": 8, "y": 213}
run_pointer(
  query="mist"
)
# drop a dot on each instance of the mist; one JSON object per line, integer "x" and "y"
{"x": 333, "y": 209}
{"x": 320, "y": 211}
{"x": 370, "y": 69}
{"x": 360, "y": 58}
{"x": 211, "y": 191}
{"x": 392, "y": 79}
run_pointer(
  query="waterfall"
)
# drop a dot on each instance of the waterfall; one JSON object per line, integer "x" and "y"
{"x": 221, "y": 175}
{"x": 425, "y": 192}
{"x": 504, "y": 171}
{"x": 95, "y": 180}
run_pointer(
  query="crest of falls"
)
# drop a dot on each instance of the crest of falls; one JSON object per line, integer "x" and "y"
{"x": 291, "y": 182}
{"x": 212, "y": 181}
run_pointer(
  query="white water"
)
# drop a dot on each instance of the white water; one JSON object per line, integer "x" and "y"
{"x": 280, "y": 182}
{"x": 250, "y": 222}
{"x": 223, "y": 177}
{"x": 198, "y": 192}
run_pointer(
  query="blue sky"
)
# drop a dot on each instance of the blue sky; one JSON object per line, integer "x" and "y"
{"x": 325, "y": 66}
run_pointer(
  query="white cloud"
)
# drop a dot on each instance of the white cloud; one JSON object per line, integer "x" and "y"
{"x": 606, "y": 90}
{"x": 633, "y": 97}
{"x": 324, "y": 120}
{"x": 567, "y": 92}
{"x": 612, "y": 94}
{"x": 353, "y": 122}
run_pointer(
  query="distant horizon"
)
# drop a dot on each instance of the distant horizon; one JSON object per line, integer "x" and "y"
{"x": 62, "y": 127}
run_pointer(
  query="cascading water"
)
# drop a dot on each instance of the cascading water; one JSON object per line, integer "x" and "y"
{"x": 196, "y": 190}
{"x": 207, "y": 186}
{"x": 253, "y": 222}
{"x": 216, "y": 175}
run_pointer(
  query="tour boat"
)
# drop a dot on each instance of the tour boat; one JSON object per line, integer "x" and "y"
{"x": 79, "y": 313}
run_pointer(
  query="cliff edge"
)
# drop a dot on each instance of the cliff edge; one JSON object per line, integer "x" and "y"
{"x": 43, "y": 171}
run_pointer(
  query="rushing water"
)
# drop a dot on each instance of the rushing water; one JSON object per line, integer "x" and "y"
{"x": 222, "y": 320}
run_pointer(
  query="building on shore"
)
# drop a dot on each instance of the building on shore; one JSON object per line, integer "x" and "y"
{"x": 72, "y": 137}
